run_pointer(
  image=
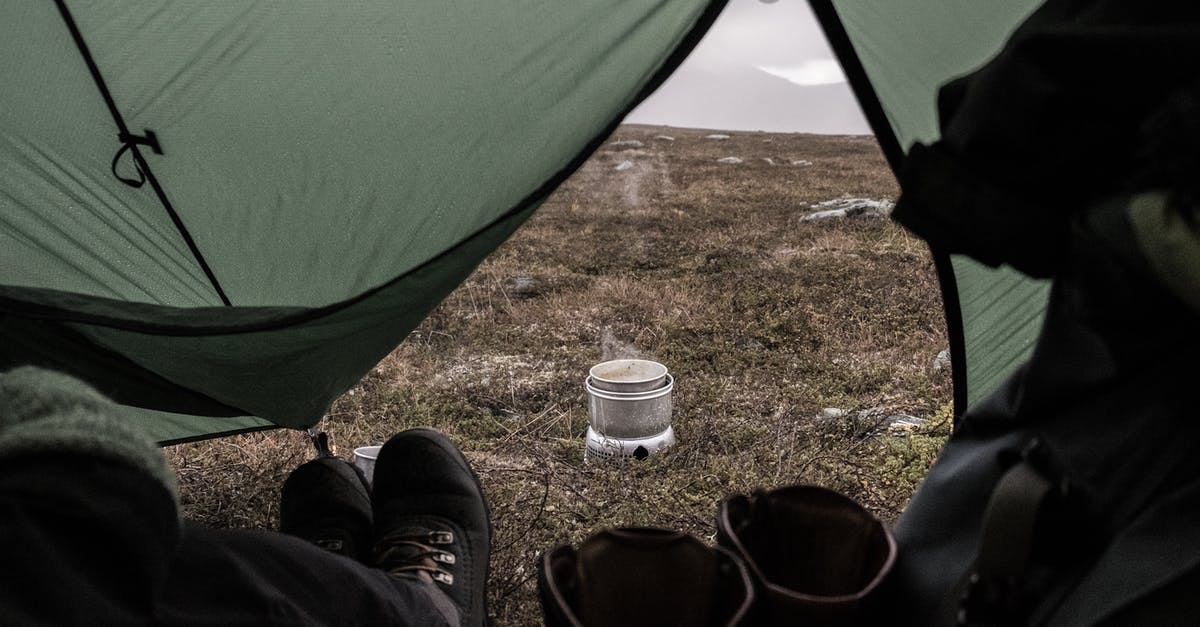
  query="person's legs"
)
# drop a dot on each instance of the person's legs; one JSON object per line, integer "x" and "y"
{"x": 326, "y": 502}
{"x": 431, "y": 519}
{"x": 319, "y": 570}
{"x": 85, "y": 540}
{"x": 431, "y": 529}
{"x": 225, "y": 577}
{"x": 92, "y": 534}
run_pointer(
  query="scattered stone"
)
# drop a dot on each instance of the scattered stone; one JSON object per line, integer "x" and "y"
{"x": 801, "y": 162}
{"x": 626, "y": 143}
{"x": 824, "y": 215}
{"x": 523, "y": 286}
{"x": 850, "y": 208}
{"x": 716, "y": 136}
{"x": 832, "y": 413}
{"x": 666, "y": 138}
{"x": 881, "y": 205}
{"x": 942, "y": 361}
{"x": 871, "y": 420}
{"x": 729, "y": 160}
{"x": 903, "y": 423}
{"x": 769, "y": 160}
{"x": 624, "y": 165}
{"x": 864, "y": 423}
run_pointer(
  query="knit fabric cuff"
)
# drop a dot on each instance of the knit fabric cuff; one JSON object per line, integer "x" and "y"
{"x": 48, "y": 412}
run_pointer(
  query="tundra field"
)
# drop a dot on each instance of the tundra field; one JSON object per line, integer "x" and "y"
{"x": 804, "y": 351}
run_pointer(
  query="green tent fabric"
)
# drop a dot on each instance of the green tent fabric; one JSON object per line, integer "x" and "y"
{"x": 897, "y": 55}
{"x": 224, "y": 214}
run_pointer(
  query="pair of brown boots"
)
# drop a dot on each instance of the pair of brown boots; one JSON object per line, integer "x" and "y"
{"x": 799, "y": 555}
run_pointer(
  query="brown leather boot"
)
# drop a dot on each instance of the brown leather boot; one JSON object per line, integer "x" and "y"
{"x": 817, "y": 557}
{"x": 631, "y": 577}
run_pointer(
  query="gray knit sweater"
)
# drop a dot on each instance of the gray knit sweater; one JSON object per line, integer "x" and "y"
{"x": 48, "y": 412}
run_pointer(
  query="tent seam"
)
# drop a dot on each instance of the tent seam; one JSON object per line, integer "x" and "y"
{"x": 130, "y": 142}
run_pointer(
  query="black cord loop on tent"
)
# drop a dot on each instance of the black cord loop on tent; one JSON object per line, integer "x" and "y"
{"x": 130, "y": 143}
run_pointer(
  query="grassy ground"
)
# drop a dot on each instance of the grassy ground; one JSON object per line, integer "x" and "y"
{"x": 764, "y": 320}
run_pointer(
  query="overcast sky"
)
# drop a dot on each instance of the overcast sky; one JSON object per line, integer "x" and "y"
{"x": 762, "y": 66}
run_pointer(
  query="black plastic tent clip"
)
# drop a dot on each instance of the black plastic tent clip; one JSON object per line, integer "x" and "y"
{"x": 129, "y": 140}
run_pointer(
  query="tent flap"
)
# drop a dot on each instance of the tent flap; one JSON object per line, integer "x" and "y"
{"x": 897, "y": 55}
{"x": 339, "y": 169}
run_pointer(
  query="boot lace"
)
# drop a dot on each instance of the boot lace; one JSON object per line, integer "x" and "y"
{"x": 414, "y": 553}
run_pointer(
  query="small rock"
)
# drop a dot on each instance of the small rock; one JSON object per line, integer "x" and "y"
{"x": 524, "y": 286}
{"x": 882, "y": 206}
{"x": 870, "y": 420}
{"x": 851, "y": 424}
{"x": 624, "y": 165}
{"x": 729, "y": 160}
{"x": 801, "y": 162}
{"x": 832, "y": 413}
{"x": 716, "y": 136}
{"x": 903, "y": 423}
{"x": 850, "y": 208}
{"x": 769, "y": 160}
{"x": 824, "y": 215}
{"x": 626, "y": 143}
{"x": 666, "y": 138}
{"x": 942, "y": 361}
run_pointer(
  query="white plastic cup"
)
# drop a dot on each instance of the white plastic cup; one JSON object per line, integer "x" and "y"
{"x": 364, "y": 459}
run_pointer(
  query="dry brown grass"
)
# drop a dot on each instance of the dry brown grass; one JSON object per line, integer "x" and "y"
{"x": 763, "y": 319}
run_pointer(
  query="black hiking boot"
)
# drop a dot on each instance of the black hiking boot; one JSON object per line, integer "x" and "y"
{"x": 325, "y": 501}
{"x": 431, "y": 519}
{"x": 628, "y": 577}
{"x": 816, "y": 556}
